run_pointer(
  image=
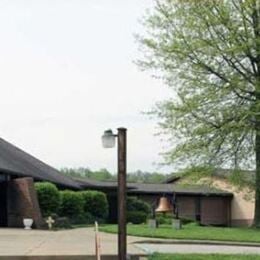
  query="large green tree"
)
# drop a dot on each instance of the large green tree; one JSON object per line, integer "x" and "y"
{"x": 208, "y": 53}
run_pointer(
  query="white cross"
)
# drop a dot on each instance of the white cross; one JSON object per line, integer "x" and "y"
{"x": 50, "y": 221}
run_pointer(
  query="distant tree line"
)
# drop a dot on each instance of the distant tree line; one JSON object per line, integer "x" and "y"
{"x": 105, "y": 175}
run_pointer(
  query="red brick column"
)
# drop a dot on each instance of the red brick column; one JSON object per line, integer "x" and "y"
{"x": 23, "y": 203}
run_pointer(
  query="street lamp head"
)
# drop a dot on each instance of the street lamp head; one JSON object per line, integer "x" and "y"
{"x": 108, "y": 139}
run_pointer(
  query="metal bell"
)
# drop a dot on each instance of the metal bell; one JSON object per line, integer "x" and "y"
{"x": 164, "y": 206}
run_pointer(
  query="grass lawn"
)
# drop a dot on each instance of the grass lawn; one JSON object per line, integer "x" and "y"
{"x": 202, "y": 257}
{"x": 190, "y": 231}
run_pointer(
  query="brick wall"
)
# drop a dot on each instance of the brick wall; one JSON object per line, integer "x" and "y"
{"x": 23, "y": 202}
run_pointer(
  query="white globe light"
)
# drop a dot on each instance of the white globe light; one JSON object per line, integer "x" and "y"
{"x": 108, "y": 139}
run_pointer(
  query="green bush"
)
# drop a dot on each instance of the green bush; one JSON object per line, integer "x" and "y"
{"x": 137, "y": 210}
{"x": 136, "y": 217}
{"x": 135, "y": 204}
{"x": 78, "y": 219}
{"x": 186, "y": 221}
{"x": 89, "y": 219}
{"x": 72, "y": 205}
{"x": 62, "y": 222}
{"x": 96, "y": 204}
{"x": 164, "y": 219}
{"x": 49, "y": 198}
{"x": 84, "y": 218}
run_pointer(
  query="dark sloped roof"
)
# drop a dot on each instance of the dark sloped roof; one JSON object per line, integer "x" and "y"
{"x": 179, "y": 189}
{"x": 89, "y": 183}
{"x": 15, "y": 161}
{"x": 160, "y": 188}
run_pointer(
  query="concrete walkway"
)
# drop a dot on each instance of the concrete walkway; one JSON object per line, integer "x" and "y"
{"x": 76, "y": 244}
{"x": 81, "y": 241}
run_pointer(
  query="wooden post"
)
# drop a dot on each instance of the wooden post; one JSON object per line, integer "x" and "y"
{"x": 97, "y": 242}
{"x": 121, "y": 195}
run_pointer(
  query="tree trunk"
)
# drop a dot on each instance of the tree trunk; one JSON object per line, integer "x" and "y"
{"x": 257, "y": 181}
{"x": 256, "y": 26}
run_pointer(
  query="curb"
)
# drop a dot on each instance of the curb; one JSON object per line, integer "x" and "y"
{"x": 199, "y": 242}
{"x": 70, "y": 257}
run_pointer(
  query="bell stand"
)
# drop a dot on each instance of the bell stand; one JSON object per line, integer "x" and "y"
{"x": 173, "y": 201}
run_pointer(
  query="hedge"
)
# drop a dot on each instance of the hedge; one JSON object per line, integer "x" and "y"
{"x": 95, "y": 203}
{"x": 136, "y": 217}
{"x": 72, "y": 204}
{"x": 135, "y": 204}
{"x": 49, "y": 198}
{"x": 137, "y": 210}
{"x": 81, "y": 207}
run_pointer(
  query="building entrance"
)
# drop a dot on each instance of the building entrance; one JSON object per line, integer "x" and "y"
{"x": 3, "y": 200}
{"x": 3, "y": 204}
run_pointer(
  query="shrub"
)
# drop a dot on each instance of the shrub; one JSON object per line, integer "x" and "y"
{"x": 136, "y": 217}
{"x": 164, "y": 218}
{"x": 135, "y": 204}
{"x": 96, "y": 204}
{"x": 89, "y": 219}
{"x": 49, "y": 198}
{"x": 84, "y": 218}
{"x": 72, "y": 204}
{"x": 78, "y": 219}
{"x": 186, "y": 221}
{"x": 137, "y": 210}
{"x": 62, "y": 222}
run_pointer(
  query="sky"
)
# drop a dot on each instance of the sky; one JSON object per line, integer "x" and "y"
{"x": 67, "y": 74}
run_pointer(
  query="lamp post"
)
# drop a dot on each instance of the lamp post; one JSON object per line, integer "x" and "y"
{"x": 108, "y": 140}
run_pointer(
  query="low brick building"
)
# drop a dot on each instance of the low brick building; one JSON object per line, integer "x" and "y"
{"x": 239, "y": 183}
{"x": 18, "y": 199}
{"x": 208, "y": 206}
